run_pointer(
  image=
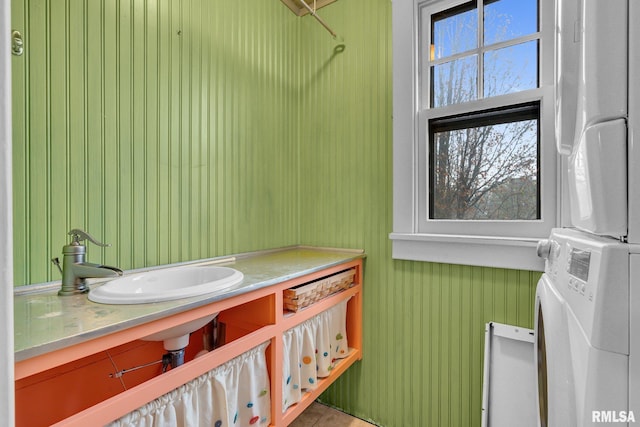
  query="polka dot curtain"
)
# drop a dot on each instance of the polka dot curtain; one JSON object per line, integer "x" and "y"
{"x": 311, "y": 351}
{"x": 234, "y": 394}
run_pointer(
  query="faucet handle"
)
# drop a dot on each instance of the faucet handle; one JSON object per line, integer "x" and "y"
{"x": 56, "y": 262}
{"x": 80, "y": 235}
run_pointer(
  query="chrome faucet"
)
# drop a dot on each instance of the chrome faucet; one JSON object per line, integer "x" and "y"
{"x": 75, "y": 270}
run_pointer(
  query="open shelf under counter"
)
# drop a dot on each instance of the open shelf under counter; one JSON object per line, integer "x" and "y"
{"x": 252, "y": 316}
{"x": 130, "y": 400}
{"x": 323, "y": 383}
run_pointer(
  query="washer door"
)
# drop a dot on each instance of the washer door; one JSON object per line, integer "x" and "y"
{"x": 556, "y": 401}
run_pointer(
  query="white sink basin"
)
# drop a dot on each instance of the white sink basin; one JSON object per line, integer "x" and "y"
{"x": 166, "y": 285}
{"x": 178, "y": 337}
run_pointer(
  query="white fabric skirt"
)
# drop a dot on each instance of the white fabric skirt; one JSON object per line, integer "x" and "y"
{"x": 233, "y": 394}
{"x": 311, "y": 351}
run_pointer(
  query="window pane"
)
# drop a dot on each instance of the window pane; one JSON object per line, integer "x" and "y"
{"x": 511, "y": 69}
{"x": 454, "y": 31}
{"x": 454, "y": 81}
{"x": 507, "y": 19}
{"x": 486, "y": 173}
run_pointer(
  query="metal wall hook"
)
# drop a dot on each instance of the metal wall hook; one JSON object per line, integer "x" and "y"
{"x": 17, "y": 43}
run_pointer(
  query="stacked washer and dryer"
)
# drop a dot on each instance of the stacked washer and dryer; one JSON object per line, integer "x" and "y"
{"x": 587, "y": 315}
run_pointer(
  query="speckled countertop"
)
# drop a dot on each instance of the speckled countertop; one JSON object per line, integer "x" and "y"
{"x": 45, "y": 322}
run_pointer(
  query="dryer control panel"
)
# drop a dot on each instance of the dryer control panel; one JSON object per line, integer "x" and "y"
{"x": 578, "y": 264}
{"x": 591, "y": 273}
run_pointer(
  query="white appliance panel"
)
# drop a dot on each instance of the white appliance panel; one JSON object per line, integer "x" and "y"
{"x": 592, "y": 275}
{"x": 590, "y": 66}
{"x": 567, "y": 55}
{"x": 558, "y": 397}
{"x": 583, "y": 301}
{"x": 598, "y": 180}
{"x": 591, "y": 75}
{"x": 602, "y": 67}
{"x": 634, "y": 125}
{"x": 634, "y": 335}
{"x": 601, "y": 377}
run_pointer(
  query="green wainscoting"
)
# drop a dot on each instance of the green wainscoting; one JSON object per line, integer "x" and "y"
{"x": 167, "y": 128}
{"x": 186, "y": 129}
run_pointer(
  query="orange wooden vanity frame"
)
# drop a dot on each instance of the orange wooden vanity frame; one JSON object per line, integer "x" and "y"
{"x": 252, "y": 318}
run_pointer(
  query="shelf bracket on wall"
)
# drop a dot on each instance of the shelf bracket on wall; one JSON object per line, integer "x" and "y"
{"x": 294, "y": 5}
{"x": 315, "y": 15}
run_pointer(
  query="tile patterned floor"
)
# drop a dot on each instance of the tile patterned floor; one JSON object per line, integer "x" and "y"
{"x": 319, "y": 415}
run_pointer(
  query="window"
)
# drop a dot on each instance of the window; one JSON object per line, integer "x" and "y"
{"x": 474, "y": 155}
{"x": 472, "y": 57}
{"x": 485, "y": 166}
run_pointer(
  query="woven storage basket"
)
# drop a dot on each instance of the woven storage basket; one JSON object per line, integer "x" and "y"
{"x": 339, "y": 282}
{"x": 305, "y": 295}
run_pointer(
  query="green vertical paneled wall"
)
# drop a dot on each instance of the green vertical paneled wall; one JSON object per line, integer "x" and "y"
{"x": 166, "y": 128}
{"x": 187, "y": 129}
{"x": 423, "y": 323}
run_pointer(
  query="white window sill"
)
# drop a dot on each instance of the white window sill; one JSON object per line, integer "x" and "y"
{"x": 486, "y": 251}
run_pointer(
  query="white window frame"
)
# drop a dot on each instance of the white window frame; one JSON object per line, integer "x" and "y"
{"x": 504, "y": 244}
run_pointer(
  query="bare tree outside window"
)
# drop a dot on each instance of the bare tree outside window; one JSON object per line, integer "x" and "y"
{"x": 484, "y": 169}
{"x": 487, "y": 172}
